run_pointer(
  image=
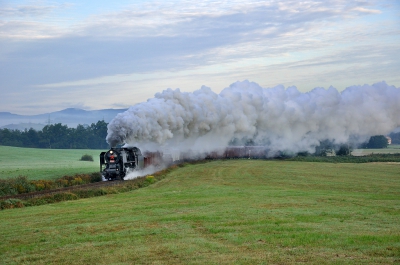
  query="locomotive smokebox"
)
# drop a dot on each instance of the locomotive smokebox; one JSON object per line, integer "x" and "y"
{"x": 116, "y": 162}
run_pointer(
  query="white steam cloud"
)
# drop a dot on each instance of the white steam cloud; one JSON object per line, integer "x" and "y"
{"x": 140, "y": 173}
{"x": 278, "y": 118}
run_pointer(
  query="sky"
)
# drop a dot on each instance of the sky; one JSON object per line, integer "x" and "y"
{"x": 114, "y": 54}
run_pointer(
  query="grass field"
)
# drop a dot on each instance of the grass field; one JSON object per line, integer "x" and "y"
{"x": 222, "y": 212}
{"x": 45, "y": 163}
{"x": 55, "y": 163}
{"x": 391, "y": 149}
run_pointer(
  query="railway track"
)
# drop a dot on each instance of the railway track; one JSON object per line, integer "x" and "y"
{"x": 59, "y": 190}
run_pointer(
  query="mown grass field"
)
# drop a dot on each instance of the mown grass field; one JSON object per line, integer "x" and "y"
{"x": 391, "y": 149}
{"x": 222, "y": 212}
{"x": 54, "y": 163}
{"x": 45, "y": 163}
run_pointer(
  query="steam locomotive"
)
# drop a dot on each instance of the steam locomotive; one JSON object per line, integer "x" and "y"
{"x": 116, "y": 163}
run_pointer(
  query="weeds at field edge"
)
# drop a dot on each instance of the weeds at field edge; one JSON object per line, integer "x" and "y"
{"x": 124, "y": 186}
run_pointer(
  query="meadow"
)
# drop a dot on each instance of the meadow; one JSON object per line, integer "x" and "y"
{"x": 37, "y": 163}
{"x": 391, "y": 149}
{"x": 222, "y": 212}
{"x": 51, "y": 164}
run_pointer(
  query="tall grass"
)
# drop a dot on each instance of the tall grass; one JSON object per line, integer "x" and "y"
{"x": 222, "y": 212}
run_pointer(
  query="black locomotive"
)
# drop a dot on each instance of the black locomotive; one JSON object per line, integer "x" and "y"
{"x": 116, "y": 162}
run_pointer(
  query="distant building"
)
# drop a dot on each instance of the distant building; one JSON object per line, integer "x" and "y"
{"x": 389, "y": 139}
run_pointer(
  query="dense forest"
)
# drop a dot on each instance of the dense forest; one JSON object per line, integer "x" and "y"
{"x": 58, "y": 136}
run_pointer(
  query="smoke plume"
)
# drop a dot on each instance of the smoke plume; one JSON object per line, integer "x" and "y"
{"x": 278, "y": 118}
{"x": 143, "y": 172}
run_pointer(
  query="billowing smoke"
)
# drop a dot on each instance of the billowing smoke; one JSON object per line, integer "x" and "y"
{"x": 278, "y": 118}
{"x": 140, "y": 173}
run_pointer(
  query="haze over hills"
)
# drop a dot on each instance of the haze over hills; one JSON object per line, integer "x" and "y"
{"x": 71, "y": 117}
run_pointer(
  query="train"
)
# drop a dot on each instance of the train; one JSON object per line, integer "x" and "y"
{"x": 117, "y": 162}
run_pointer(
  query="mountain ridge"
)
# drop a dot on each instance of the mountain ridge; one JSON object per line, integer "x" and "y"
{"x": 71, "y": 117}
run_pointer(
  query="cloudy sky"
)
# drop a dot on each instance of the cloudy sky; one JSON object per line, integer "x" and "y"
{"x": 113, "y": 54}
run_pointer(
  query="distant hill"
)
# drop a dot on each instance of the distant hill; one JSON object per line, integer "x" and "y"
{"x": 70, "y": 117}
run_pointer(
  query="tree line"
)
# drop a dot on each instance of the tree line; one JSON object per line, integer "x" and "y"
{"x": 375, "y": 142}
{"x": 58, "y": 136}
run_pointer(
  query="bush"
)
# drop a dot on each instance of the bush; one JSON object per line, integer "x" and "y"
{"x": 87, "y": 158}
{"x": 12, "y": 186}
{"x": 11, "y": 203}
{"x": 43, "y": 184}
{"x": 77, "y": 179}
{"x": 349, "y": 159}
{"x": 21, "y": 184}
{"x": 95, "y": 177}
{"x": 150, "y": 179}
{"x": 65, "y": 196}
{"x": 39, "y": 201}
{"x": 344, "y": 150}
{"x": 6, "y": 187}
{"x": 305, "y": 153}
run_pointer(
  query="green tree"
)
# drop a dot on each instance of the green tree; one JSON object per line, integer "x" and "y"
{"x": 324, "y": 148}
{"x": 30, "y": 138}
{"x": 56, "y": 136}
{"x": 79, "y": 137}
{"x": 11, "y": 137}
{"x": 344, "y": 150}
{"x": 98, "y": 135}
{"x": 377, "y": 141}
{"x": 395, "y": 138}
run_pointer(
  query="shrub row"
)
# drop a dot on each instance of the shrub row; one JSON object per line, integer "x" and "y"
{"x": 349, "y": 159}
{"x": 125, "y": 186}
{"x": 21, "y": 184}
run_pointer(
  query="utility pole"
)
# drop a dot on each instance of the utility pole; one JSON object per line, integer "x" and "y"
{"x": 49, "y": 121}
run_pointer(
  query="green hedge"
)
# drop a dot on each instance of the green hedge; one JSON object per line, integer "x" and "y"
{"x": 21, "y": 184}
{"x": 124, "y": 186}
{"x": 348, "y": 159}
